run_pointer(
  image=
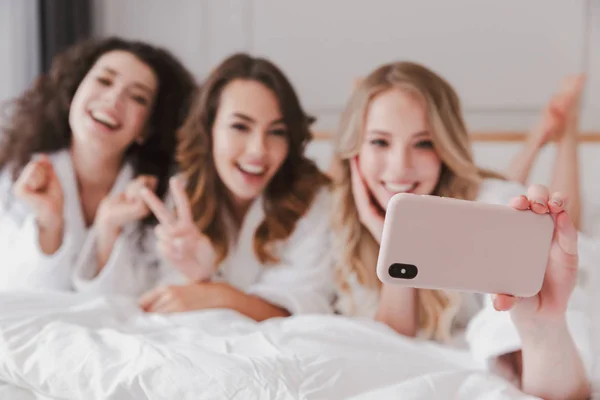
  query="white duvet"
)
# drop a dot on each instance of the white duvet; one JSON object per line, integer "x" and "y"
{"x": 62, "y": 346}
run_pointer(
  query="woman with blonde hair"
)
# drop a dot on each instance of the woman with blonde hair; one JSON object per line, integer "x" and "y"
{"x": 251, "y": 229}
{"x": 403, "y": 132}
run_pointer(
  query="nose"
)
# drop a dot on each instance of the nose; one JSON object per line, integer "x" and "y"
{"x": 114, "y": 97}
{"x": 399, "y": 163}
{"x": 257, "y": 145}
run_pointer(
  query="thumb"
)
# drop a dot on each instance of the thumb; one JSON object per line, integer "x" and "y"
{"x": 566, "y": 234}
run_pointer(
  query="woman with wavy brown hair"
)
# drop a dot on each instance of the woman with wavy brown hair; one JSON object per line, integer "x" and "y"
{"x": 75, "y": 150}
{"x": 251, "y": 226}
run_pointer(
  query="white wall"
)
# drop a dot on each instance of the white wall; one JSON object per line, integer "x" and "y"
{"x": 504, "y": 58}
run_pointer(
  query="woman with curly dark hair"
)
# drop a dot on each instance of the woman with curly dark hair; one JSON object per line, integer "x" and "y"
{"x": 252, "y": 210}
{"x": 75, "y": 151}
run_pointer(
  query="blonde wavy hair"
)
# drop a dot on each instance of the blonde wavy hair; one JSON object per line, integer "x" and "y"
{"x": 459, "y": 178}
{"x": 291, "y": 191}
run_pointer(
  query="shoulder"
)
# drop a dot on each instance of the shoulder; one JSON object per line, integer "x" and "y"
{"x": 498, "y": 191}
{"x": 318, "y": 211}
{"x": 313, "y": 227}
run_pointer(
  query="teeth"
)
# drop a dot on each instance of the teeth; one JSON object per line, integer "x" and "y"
{"x": 106, "y": 119}
{"x": 252, "y": 169}
{"x": 398, "y": 187}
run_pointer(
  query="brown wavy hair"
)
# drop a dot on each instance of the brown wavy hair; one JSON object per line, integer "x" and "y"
{"x": 460, "y": 178}
{"x": 291, "y": 191}
{"x": 38, "y": 120}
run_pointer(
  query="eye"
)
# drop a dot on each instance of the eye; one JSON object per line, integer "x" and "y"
{"x": 424, "y": 144}
{"x": 379, "y": 142}
{"x": 278, "y": 132}
{"x": 104, "y": 81}
{"x": 240, "y": 127}
{"x": 140, "y": 100}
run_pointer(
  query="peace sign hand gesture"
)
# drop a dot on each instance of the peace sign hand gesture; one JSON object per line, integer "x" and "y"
{"x": 179, "y": 241}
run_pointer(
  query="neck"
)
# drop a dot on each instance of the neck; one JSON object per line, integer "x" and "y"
{"x": 240, "y": 209}
{"x": 93, "y": 170}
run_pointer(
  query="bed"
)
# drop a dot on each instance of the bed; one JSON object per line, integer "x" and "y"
{"x": 66, "y": 346}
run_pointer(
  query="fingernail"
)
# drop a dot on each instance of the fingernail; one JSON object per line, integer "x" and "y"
{"x": 557, "y": 202}
{"x": 539, "y": 203}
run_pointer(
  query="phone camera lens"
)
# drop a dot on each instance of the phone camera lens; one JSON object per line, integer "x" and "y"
{"x": 403, "y": 271}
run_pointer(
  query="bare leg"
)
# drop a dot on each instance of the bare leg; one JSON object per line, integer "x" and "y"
{"x": 550, "y": 126}
{"x": 566, "y": 177}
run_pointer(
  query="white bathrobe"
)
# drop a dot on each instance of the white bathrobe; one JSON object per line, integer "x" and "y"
{"x": 72, "y": 267}
{"x": 301, "y": 282}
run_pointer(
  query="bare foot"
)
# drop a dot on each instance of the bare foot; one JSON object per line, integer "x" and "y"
{"x": 562, "y": 107}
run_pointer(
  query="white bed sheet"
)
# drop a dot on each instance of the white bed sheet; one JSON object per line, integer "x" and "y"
{"x": 70, "y": 347}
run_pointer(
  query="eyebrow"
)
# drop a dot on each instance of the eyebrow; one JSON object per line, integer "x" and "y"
{"x": 384, "y": 133}
{"x": 139, "y": 85}
{"x": 420, "y": 134}
{"x": 251, "y": 120}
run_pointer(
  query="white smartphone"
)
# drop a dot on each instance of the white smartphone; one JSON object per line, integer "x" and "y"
{"x": 434, "y": 242}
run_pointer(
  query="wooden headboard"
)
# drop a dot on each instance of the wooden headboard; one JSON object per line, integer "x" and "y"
{"x": 493, "y": 136}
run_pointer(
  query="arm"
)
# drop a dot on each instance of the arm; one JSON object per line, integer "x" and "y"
{"x": 398, "y": 309}
{"x": 105, "y": 243}
{"x": 551, "y": 365}
{"x": 132, "y": 267}
{"x": 547, "y": 352}
{"x": 32, "y": 258}
{"x": 301, "y": 283}
{"x": 251, "y": 306}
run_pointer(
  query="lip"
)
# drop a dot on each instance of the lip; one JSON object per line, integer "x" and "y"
{"x": 400, "y": 187}
{"x": 255, "y": 169}
{"x": 99, "y": 127}
{"x": 110, "y": 114}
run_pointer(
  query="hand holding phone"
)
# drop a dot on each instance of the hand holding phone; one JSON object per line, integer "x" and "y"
{"x": 442, "y": 243}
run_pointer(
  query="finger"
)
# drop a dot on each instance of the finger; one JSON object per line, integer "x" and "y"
{"x": 165, "y": 303}
{"x": 181, "y": 200}
{"x": 170, "y": 232}
{"x": 38, "y": 177}
{"x": 33, "y": 178}
{"x": 143, "y": 181}
{"x": 519, "y": 203}
{"x": 566, "y": 235}
{"x": 148, "y": 298}
{"x": 358, "y": 187}
{"x": 503, "y": 302}
{"x": 538, "y": 198}
{"x": 157, "y": 207}
{"x": 149, "y": 181}
{"x": 557, "y": 203}
{"x": 169, "y": 251}
{"x": 161, "y": 232}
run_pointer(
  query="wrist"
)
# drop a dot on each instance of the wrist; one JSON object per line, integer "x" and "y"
{"x": 226, "y": 296}
{"x": 106, "y": 226}
{"x": 106, "y": 229}
{"x": 51, "y": 223}
{"x": 543, "y": 333}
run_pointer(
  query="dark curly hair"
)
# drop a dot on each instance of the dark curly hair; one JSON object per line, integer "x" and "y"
{"x": 294, "y": 186}
{"x": 38, "y": 120}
